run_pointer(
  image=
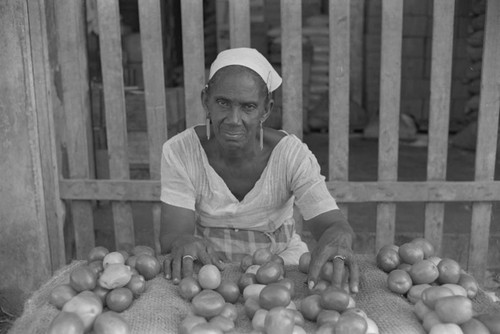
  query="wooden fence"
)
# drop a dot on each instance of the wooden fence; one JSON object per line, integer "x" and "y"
{"x": 80, "y": 189}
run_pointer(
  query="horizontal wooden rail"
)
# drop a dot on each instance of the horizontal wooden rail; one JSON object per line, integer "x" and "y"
{"x": 344, "y": 192}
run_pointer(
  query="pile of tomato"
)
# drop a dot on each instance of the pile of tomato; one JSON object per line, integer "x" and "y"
{"x": 439, "y": 288}
{"x": 268, "y": 298}
{"x": 99, "y": 290}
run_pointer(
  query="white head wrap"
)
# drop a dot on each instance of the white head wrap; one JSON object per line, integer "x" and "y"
{"x": 250, "y": 58}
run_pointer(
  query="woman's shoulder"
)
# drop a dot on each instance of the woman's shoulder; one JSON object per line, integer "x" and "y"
{"x": 184, "y": 140}
{"x": 285, "y": 139}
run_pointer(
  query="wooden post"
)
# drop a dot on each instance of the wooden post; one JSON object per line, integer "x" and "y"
{"x": 25, "y": 261}
{"x": 74, "y": 82}
{"x": 439, "y": 117}
{"x": 339, "y": 87}
{"x": 239, "y": 23}
{"x": 116, "y": 122}
{"x": 47, "y": 134}
{"x": 154, "y": 87}
{"x": 291, "y": 59}
{"x": 487, "y": 140}
{"x": 194, "y": 59}
{"x": 390, "y": 88}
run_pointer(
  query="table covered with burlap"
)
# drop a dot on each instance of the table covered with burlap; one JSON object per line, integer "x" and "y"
{"x": 160, "y": 309}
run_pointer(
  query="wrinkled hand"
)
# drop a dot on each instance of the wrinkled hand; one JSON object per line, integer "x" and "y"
{"x": 333, "y": 247}
{"x": 180, "y": 265}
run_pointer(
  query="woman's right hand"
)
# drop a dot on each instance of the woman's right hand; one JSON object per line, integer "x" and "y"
{"x": 186, "y": 250}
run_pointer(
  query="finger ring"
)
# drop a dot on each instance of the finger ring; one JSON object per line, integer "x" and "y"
{"x": 188, "y": 257}
{"x": 340, "y": 257}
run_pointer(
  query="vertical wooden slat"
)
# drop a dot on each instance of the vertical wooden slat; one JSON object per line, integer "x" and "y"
{"x": 73, "y": 63}
{"x": 390, "y": 88}
{"x": 116, "y": 122}
{"x": 154, "y": 88}
{"x": 291, "y": 59}
{"x": 442, "y": 55}
{"x": 339, "y": 80}
{"x": 46, "y": 128}
{"x": 357, "y": 31}
{"x": 194, "y": 59}
{"x": 221, "y": 17}
{"x": 239, "y": 23}
{"x": 487, "y": 139}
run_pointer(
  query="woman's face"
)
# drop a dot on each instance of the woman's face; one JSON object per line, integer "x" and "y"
{"x": 236, "y": 103}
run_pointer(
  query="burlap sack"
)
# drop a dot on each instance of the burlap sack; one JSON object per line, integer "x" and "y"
{"x": 160, "y": 309}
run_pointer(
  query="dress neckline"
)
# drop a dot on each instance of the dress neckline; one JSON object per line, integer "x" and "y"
{"x": 258, "y": 184}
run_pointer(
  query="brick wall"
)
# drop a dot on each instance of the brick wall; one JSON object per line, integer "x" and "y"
{"x": 416, "y": 60}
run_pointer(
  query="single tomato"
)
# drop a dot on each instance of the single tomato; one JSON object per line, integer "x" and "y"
{"x": 425, "y": 245}
{"x": 82, "y": 278}
{"x": 446, "y": 329}
{"x": 469, "y": 283}
{"x": 229, "y": 290}
{"x": 423, "y": 272}
{"x": 189, "y": 287}
{"x": 269, "y": 272}
{"x": 474, "y": 326}
{"x": 327, "y": 317}
{"x": 259, "y": 319}
{"x": 148, "y": 266}
{"x": 142, "y": 249}
{"x": 251, "y": 306}
{"x": 351, "y": 323}
{"x": 310, "y": 307}
{"x": 86, "y": 305}
{"x": 304, "y": 261}
{"x": 229, "y": 311}
{"x": 289, "y": 284}
{"x": 119, "y": 299}
{"x": 279, "y": 320}
{"x": 113, "y": 258}
{"x": 111, "y": 323}
{"x": 246, "y": 261}
{"x": 61, "y": 294}
{"x": 454, "y": 309}
{"x": 421, "y": 309}
{"x": 223, "y": 323}
{"x": 415, "y": 292}
{"x": 274, "y": 295}
{"x": 431, "y": 295}
{"x": 66, "y": 323}
{"x": 410, "y": 253}
{"x": 262, "y": 255}
{"x": 334, "y": 298}
{"x": 97, "y": 267}
{"x": 388, "y": 259}
{"x": 208, "y": 303}
{"x": 97, "y": 254}
{"x": 399, "y": 281}
{"x": 430, "y": 320}
{"x": 449, "y": 271}
{"x": 137, "y": 285}
{"x": 246, "y": 280}
{"x": 101, "y": 292}
{"x": 209, "y": 277}
{"x": 189, "y": 322}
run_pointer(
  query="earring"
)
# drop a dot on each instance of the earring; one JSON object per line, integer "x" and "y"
{"x": 207, "y": 127}
{"x": 261, "y": 136}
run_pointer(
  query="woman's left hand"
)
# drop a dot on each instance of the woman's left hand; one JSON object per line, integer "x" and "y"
{"x": 335, "y": 246}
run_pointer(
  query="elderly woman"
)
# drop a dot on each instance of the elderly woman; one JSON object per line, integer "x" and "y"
{"x": 229, "y": 186}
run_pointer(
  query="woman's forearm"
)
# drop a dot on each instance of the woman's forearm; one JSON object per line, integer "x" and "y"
{"x": 329, "y": 224}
